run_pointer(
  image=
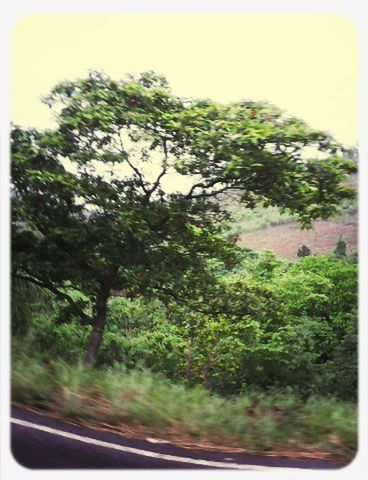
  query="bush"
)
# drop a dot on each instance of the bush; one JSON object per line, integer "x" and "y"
{"x": 303, "y": 251}
{"x": 272, "y": 323}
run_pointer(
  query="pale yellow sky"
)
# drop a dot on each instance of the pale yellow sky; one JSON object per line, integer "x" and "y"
{"x": 305, "y": 64}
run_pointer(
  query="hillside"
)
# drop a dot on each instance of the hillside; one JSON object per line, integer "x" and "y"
{"x": 286, "y": 238}
{"x": 268, "y": 229}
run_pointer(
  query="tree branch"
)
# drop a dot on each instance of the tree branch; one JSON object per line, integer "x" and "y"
{"x": 133, "y": 167}
{"x": 53, "y": 289}
{"x": 205, "y": 186}
{"x": 162, "y": 173}
{"x": 196, "y": 185}
{"x": 210, "y": 194}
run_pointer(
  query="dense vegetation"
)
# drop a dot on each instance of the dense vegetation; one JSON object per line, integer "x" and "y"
{"x": 127, "y": 297}
{"x": 290, "y": 335}
{"x": 285, "y": 325}
{"x": 108, "y": 222}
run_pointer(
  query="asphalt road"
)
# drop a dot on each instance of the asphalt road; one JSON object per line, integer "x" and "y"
{"x": 40, "y": 442}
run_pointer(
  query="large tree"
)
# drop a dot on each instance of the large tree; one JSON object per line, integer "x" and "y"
{"x": 124, "y": 192}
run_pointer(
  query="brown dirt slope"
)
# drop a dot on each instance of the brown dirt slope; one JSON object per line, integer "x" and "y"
{"x": 285, "y": 239}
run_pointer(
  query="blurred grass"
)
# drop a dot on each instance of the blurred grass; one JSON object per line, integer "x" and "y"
{"x": 254, "y": 421}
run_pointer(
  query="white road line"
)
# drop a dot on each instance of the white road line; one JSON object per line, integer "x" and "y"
{"x": 145, "y": 453}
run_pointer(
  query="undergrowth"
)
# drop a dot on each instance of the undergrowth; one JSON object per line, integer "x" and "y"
{"x": 255, "y": 421}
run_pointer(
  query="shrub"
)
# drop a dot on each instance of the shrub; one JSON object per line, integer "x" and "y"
{"x": 272, "y": 323}
{"x": 303, "y": 251}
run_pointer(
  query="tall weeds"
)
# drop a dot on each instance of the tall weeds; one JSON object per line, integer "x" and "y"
{"x": 254, "y": 421}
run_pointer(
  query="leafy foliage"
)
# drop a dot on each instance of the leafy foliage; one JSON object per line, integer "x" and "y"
{"x": 90, "y": 210}
{"x": 271, "y": 324}
{"x": 199, "y": 326}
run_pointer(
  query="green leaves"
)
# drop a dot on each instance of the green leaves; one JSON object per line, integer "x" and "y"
{"x": 92, "y": 191}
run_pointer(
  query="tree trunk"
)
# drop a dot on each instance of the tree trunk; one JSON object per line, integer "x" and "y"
{"x": 98, "y": 326}
{"x": 206, "y": 371}
{"x": 189, "y": 359}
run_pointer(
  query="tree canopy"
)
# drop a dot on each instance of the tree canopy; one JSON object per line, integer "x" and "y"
{"x": 92, "y": 206}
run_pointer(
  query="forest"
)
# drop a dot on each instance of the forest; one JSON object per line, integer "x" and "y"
{"x": 133, "y": 303}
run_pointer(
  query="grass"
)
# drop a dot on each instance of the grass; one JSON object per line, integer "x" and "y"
{"x": 255, "y": 422}
{"x": 259, "y": 218}
{"x": 249, "y": 220}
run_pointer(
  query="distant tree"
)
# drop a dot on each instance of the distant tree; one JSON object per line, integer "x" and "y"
{"x": 340, "y": 250}
{"x": 91, "y": 209}
{"x": 303, "y": 251}
{"x": 351, "y": 153}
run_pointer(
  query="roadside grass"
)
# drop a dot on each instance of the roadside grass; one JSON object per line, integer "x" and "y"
{"x": 256, "y": 422}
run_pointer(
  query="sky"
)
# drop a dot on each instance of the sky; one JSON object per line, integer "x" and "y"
{"x": 305, "y": 64}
